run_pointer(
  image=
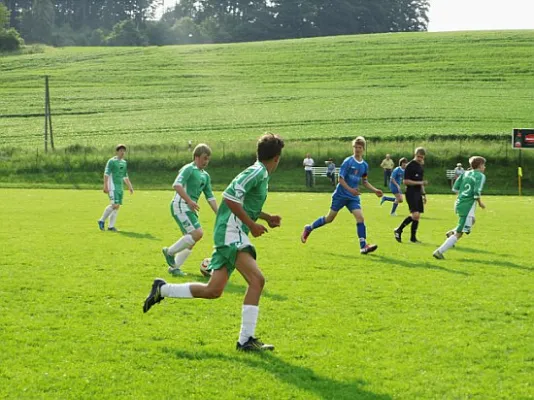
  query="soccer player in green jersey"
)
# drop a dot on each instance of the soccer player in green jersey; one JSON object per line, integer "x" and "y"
{"x": 469, "y": 187}
{"x": 192, "y": 180}
{"x": 115, "y": 174}
{"x": 236, "y": 218}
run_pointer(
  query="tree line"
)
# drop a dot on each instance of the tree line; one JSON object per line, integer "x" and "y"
{"x": 132, "y": 22}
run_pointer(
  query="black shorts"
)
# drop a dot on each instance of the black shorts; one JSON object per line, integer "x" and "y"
{"x": 415, "y": 202}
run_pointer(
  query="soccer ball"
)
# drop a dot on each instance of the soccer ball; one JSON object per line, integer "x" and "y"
{"x": 204, "y": 267}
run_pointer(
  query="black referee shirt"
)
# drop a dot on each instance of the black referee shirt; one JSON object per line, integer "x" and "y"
{"x": 414, "y": 172}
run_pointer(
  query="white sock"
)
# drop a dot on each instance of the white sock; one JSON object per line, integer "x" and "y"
{"x": 180, "y": 290}
{"x": 249, "y": 317}
{"x": 113, "y": 218}
{"x": 180, "y": 258}
{"x": 447, "y": 244}
{"x": 107, "y": 211}
{"x": 182, "y": 244}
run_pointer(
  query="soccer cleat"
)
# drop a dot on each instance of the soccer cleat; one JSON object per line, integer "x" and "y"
{"x": 382, "y": 200}
{"x": 101, "y": 225}
{"x": 154, "y": 297}
{"x": 254, "y": 344}
{"x": 369, "y": 248}
{"x": 168, "y": 258}
{"x": 113, "y": 229}
{"x": 438, "y": 255}
{"x": 176, "y": 272}
{"x": 415, "y": 241}
{"x": 305, "y": 233}
{"x": 398, "y": 235}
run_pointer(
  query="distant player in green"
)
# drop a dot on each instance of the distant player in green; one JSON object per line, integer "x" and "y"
{"x": 469, "y": 187}
{"x": 115, "y": 174}
{"x": 236, "y": 218}
{"x": 192, "y": 180}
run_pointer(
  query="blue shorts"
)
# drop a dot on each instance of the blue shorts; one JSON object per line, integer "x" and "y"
{"x": 339, "y": 202}
{"x": 394, "y": 189}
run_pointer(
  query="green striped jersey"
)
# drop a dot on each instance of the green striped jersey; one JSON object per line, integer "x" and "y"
{"x": 249, "y": 188}
{"x": 194, "y": 181}
{"x": 469, "y": 187}
{"x": 117, "y": 170}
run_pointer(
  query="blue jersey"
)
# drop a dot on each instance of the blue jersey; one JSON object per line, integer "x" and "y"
{"x": 353, "y": 172}
{"x": 397, "y": 175}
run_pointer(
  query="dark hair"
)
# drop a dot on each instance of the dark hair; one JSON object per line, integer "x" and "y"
{"x": 269, "y": 146}
{"x": 403, "y": 160}
{"x": 120, "y": 146}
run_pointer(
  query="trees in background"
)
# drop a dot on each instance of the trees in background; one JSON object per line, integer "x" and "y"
{"x": 9, "y": 38}
{"x": 131, "y": 22}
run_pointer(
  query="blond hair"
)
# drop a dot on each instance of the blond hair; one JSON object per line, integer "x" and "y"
{"x": 359, "y": 140}
{"x": 200, "y": 149}
{"x": 476, "y": 161}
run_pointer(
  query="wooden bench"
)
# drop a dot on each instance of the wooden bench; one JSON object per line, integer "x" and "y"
{"x": 321, "y": 171}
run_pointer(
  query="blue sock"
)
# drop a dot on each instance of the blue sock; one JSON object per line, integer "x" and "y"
{"x": 386, "y": 198}
{"x": 394, "y": 208}
{"x": 318, "y": 223}
{"x": 362, "y": 234}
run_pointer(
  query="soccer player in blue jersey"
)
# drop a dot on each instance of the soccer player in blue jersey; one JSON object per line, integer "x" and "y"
{"x": 395, "y": 186}
{"x": 353, "y": 172}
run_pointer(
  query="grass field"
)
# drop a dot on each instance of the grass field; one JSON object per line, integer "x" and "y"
{"x": 394, "y": 324}
{"x": 377, "y": 85}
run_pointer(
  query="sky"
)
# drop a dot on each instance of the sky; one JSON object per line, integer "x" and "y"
{"x": 465, "y": 15}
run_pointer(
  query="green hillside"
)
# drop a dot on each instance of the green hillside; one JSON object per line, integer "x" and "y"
{"x": 377, "y": 85}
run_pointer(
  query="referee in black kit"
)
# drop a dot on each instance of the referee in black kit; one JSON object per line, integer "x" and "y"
{"x": 415, "y": 194}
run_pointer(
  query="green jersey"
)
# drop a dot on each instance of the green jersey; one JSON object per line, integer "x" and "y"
{"x": 117, "y": 171}
{"x": 469, "y": 187}
{"x": 249, "y": 188}
{"x": 194, "y": 181}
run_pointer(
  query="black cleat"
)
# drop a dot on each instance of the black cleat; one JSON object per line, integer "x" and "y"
{"x": 369, "y": 248}
{"x": 398, "y": 235}
{"x": 413, "y": 240}
{"x": 254, "y": 344}
{"x": 154, "y": 297}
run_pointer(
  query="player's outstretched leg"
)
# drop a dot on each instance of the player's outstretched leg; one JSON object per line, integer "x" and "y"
{"x": 154, "y": 297}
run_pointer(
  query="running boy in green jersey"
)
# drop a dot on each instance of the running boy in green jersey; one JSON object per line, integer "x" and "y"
{"x": 115, "y": 174}
{"x": 469, "y": 187}
{"x": 236, "y": 218}
{"x": 192, "y": 180}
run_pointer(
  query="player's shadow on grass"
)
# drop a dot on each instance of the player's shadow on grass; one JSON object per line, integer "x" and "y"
{"x": 137, "y": 235}
{"x": 474, "y": 251}
{"x": 506, "y": 264}
{"x": 407, "y": 264}
{"x": 301, "y": 377}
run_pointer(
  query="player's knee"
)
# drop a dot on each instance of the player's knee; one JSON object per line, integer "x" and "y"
{"x": 258, "y": 282}
{"x": 329, "y": 218}
{"x": 214, "y": 292}
{"x": 197, "y": 234}
{"x": 399, "y": 200}
{"x": 116, "y": 206}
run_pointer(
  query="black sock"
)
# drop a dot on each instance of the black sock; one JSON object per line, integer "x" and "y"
{"x": 415, "y": 224}
{"x": 405, "y": 223}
